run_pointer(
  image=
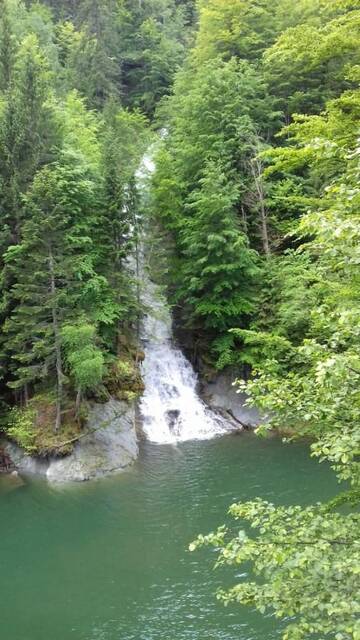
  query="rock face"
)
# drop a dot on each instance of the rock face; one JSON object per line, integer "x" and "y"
{"x": 221, "y": 396}
{"x": 111, "y": 447}
{"x": 25, "y": 463}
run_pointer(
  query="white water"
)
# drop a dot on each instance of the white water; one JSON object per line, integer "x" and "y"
{"x": 170, "y": 407}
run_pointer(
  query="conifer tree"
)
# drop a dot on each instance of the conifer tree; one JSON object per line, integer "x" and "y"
{"x": 97, "y": 62}
{"x": 7, "y": 48}
{"x": 50, "y": 268}
{"x": 217, "y": 118}
{"x": 219, "y": 267}
{"x": 125, "y": 138}
{"x": 25, "y": 129}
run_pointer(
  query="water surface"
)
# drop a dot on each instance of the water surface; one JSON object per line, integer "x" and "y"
{"x": 108, "y": 560}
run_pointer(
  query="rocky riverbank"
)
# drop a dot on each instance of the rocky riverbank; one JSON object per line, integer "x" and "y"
{"x": 108, "y": 446}
{"x": 109, "y": 442}
{"x": 221, "y": 396}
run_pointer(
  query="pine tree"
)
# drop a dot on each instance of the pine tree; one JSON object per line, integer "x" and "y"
{"x": 95, "y": 62}
{"x": 25, "y": 129}
{"x": 219, "y": 268}
{"x": 217, "y": 116}
{"x": 125, "y": 139}
{"x": 50, "y": 267}
{"x": 7, "y": 48}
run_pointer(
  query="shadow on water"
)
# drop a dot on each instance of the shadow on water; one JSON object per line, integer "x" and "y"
{"x": 108, "y": 560}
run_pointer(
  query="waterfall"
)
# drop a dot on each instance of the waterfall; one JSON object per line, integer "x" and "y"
{"x": 170, "y": 407}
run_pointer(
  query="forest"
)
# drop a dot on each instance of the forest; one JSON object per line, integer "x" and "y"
{"x": 252, "y": 225}
{"x": 257, "y": 189}
{"x": 79, "y": 84}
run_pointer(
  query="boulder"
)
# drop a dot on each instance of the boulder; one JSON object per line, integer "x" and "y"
{"x": 24, "y": 462}
{"x": 109, "y": 447}
{"x": 221, "y": 395}
{"x": 105, "y": 450}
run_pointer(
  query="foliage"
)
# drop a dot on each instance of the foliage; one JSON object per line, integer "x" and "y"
{"x": 260, "y": 220}
{"x": 71, "y": 143}
{"x": 212, "y": 230}
{"x": 31, "y": 427}
{"x": 235, "y": 28}
{"x": 124, "y": 380}
{"x": 321, "y": 59}
{"x": 121, "y": 49}
{"x": 84, "y": 358}
{"x": 263, "y": 224}
{"x": 317, "y": 392}
{"x": 21, "y": 428}
{"x": 305, "y": 567}
{"x": 49, "y": 267}
{"x": 203, "y": 176}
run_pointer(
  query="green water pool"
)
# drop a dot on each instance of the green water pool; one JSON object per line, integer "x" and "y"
{"x": 108, "y": 560}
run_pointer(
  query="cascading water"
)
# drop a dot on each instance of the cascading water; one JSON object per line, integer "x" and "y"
{"x": 170, "y": 407}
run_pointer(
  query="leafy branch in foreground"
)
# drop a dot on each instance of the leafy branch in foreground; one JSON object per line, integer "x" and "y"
{"x": 305, "y": 567}
{"x": 307, "y": 560}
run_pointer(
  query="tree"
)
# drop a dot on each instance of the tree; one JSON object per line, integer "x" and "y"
{"x": 219, "y": 267}
{"x": 306, "y": 382}
{"x": 151, "y": 67}
{"x": 208, "y": 194}
{"x": 304, "y": 565}
{"x": 228, "y": 182}
{"x": 50, "y": 267}
{"x": 22, "y": 129}
{"x": 6, "y": 47}
{"x": 155, "y": 36}
{"x": 125, "y": 138}
{"x": 229, "y": 28}
{"x": 84, "y": 358}
{"x": 321, "y": 57}
{"x": 123, "y": 49}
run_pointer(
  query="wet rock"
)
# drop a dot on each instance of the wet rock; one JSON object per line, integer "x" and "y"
{"x": 221, "y": 396}
{"x": 173, "y": 418}
{"x": 24, "y": 462}
{"x": 107, "y": 450}
{"x": 110, "y": 446}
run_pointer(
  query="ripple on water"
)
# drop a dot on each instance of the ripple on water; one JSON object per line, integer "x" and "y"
{"x": 108, "y": 560}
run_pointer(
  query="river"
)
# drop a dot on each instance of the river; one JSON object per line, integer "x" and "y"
{"x": 108, "y": 560}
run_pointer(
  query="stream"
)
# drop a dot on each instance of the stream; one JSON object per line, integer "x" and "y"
{"x": 108, "y": 560}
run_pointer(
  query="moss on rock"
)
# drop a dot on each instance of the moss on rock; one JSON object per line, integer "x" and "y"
{"x": 32, "y": 427}
{"x": 124, "y": 381}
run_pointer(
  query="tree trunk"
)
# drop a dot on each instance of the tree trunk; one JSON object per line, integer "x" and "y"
{"x": 26, "y": 395}
{"x": 244, "y": 218}
{"x": 256, "y": 169}
{"x": 78, "y": 402}
{"x": 59, "y": 372}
